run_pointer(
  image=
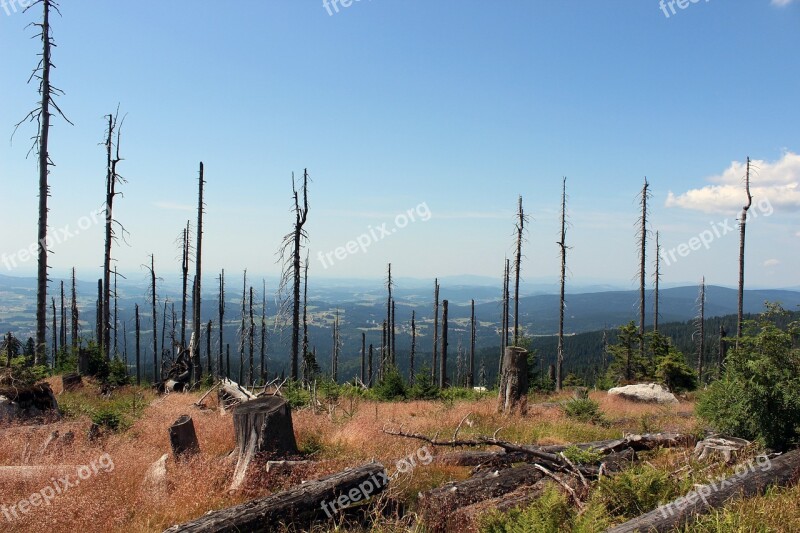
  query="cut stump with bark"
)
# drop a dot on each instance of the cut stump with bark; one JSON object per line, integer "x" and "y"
{"x": 183, "y": 438}
{"x": 71, "y": 381}
{"x": 514, "y": 381}
{"x": 261, "y": 425}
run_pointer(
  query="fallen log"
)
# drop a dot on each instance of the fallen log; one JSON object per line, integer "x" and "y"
{"x": 753, "y": 479}
{"x": 478, "y": 458}
{"x": 467, "y": 519}
{"x": 231, "y": 394}
{"x": 298, "y": 507}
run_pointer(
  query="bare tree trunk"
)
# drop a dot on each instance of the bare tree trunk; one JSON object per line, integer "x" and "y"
{"x": 155, "y": 316}
{"x": 435, "y": 355}
{"x": 262, "y": 369}
{"x": 163, "y": 331}
{"x": 251, "y": 341}
{"x": 723, "y": 349}
{"x": 335, "y": 354}
{"x": 198, "y": 265}
{"x": 563, "y": 247}
{"x": 514, "y": 381}
{"x": 443, "y": 382}
{"x": 363, "y": 358}
{"x": 382, "y": 367}
{"x": 645, "y": 194}
{"x": 301, "y": 215}
{"x": 471, "y": 365}
{"x": 742, "y": 227}
{"x": 75, "y": 316}
{"x": 411, "y": 374}
{"x": 657, "y": 280}
{"x": 221, "y": 318}
{"x": 228, "y": 361}
{"x": 116, "y": 313}
{"x": 393, "y": 336}
{"x": 138, "y": 353}
{"x": 62, "y": 335}
{"x": 701, "y": 341}
{"x": 308, "y": 365}
{"x": 99, "y": 324}
{"x": 389, "y": 323}
{"x": 55, "y": 333}
{"x": 522, "y": 218}
{"x": 369, "y": 377}
{"x": 185, "y": 272}
{"x": 209, "y": 332}
{"x": 506, "y": 318}
{"x": 243, "y": 328}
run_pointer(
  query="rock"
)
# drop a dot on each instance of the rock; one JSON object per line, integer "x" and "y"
{"x": 155, "y": 479}
{"x": 9, "y": 410}
{"x": 645, "y": 392}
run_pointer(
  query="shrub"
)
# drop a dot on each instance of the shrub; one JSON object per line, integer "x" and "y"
{"x": 635, "y": 491}
{"x": 423, "y": 387}
{"x": 582, "y": 456}
{"x": 549, "y": 513}
{"x": 584, "y": 410}
{"x": 758, "y": 398}
{"x": 295, "y": 394}
{"x": 118, "y": 372}
{"x": 391, "y": 385}
{"x": 107, "y": 418}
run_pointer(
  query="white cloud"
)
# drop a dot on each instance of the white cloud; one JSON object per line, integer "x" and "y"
{"x": 771, "y": 263}
{"x": 781, "y": 3}
{"x": 775, "y": 182}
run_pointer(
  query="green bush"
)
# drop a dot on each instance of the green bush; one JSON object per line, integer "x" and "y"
{"x": 584, "y": 410}
{"x": 391, "y": 386}
{"x": 107, "y": 418}
{"x": 423, "y": 387}
{"x": 635, "y": 491}
{"x": 549, "y": 513}
{"x": 118, "y": 372}
{"x": 758, "y": 397}
{"x": 582, "y": 456}
{"x": 295, "y": 394}
{"x": 26, "y": 374}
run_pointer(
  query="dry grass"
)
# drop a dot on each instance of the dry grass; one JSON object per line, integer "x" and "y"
{"x": 118, "y": 500}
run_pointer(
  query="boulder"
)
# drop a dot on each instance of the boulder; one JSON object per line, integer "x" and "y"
{"x": 645, "y": 392}
{"x": 9, "y": 410}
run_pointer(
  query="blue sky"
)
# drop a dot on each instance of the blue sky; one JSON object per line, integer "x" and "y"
{"x": 455, "y": 106}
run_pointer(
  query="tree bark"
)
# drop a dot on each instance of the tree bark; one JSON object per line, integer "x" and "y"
{"x": 742, "y": 228}
{"x": 183, "y": 438}
{"x": 198, "y": 264}
{"x": 298, "y": 507}
{"x": 443, "y": 359}
{"x": 71, "y": 381}
{"x": 782, "y": 471}
{"x": 514, "y": 381}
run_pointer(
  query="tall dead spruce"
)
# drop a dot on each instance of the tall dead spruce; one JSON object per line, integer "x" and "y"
{"x": 522, "y": 218}
{"x": 563, "y": 249}
{"x": 197, "y": 369}
{"x": 112, "y": 180}
{"x": 742, "y": 228}
{"x": 642, "y": 235}
{"x": 290, "y": 254}
{"x": 41, "y": 115}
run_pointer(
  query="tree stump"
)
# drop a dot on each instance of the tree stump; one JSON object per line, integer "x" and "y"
{"x": 261, "y": 425}
{"x": 71, "y": 381}
{"x": 183, "y": 438}
{"x": 514, "y": 381}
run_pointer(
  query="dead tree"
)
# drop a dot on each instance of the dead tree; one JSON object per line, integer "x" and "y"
{"x": 99, "y": 314}
{"x": 742, "y": 227}
{"x": 116, "y": 313}
{"x": 389, "y": 322}
{"x": 251, "y": 341}
{"x": 55, "y": 332}
{"x": 209, "y": 332}
{"x": 413, "y": 348}
{"x": 393, "y": 336}
{"x": 471, "y": 365}
{"x": 263, "y": 369}
{"x": 723, "y": 349}
{"x": 656, "y": 280}
{"x": 514, "y": 381}
{"x": 443, "y": 382}
{"x": 308, "y": 364}
{"x": 62, "y": 333}
{"x": 164, "y": 351}
{"x": 198, "y": 269}
{"x": 185, "y": 279}
{"x": 112, "y": 180}
{"x": 701, "y": 330}
{"x": 138, "y": 353}
{"x": 301, "y": 506}
{"x": 563, "y": 248}
{"x": 505, "y": 319}
{"x": 642, "y": 234}
{"x": 41, "y": 115}
{"x": 75, "y": 316}
{"x": 363, "y": 358}
{"x": 382, "y": 367}
{"x": 750, "y": 480}
{"x": 153, "y": 303}
{"x": 221, "y": 319}
{"x": 522, "y": 218}
{"x": 435, "y": 354}
{"x": 369, "y": 368}
{"x": 335, "y": 351}
{"x": 243, "y": 328}
{"x": 292, "y": 265}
